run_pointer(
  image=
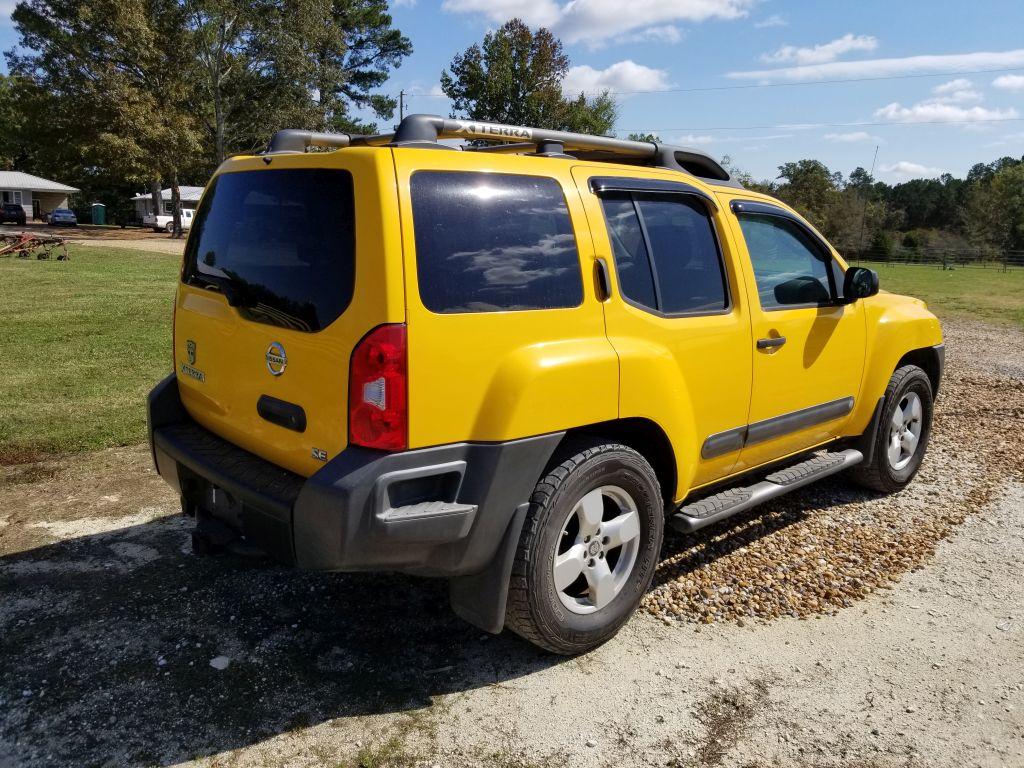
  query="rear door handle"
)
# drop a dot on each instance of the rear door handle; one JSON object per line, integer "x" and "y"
{"x": 603, "y": 286}
{"x": 771, "y": 342}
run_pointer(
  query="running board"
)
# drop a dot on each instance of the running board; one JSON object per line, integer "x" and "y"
{"x": 709, "y": 510}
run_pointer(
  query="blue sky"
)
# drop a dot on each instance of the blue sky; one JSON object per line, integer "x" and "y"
{"x": 923, "y": 125}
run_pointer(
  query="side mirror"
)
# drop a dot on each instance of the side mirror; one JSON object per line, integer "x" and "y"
{"x": 859, "y": 283}
{"x": 802, "y": 290}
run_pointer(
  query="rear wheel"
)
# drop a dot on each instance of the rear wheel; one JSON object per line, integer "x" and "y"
{"x": 588, "y": 549}
{"x": 904, "y": 429}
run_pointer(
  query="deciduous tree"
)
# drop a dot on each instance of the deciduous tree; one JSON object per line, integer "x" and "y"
{"x": 515, "y": 76}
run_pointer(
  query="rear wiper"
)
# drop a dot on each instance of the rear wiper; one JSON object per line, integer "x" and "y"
{"x": 234, "y": 291}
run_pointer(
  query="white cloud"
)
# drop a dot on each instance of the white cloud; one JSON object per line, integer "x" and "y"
{"x": 621, "y": 76}
{"x": 1009, "y": 83}
{"x": 597, "y": 21}
{"x": 668, "y": 34}
{"x": 6, "y": 9}
{"x": 820, "y": 54}
{"x": 852, "y": 137}
{"x": 934, "y": 111}
{"x": 772, "y": 21}
{"x": 908, "y": 170}
{"x": 692, "y": 140}
{"x": 957, "y": 91}
{"x": 537, "y": 13}
{"x": 908, "y": 65}
{"x": 960, "y": 84}
{"x": 406, "y": 3}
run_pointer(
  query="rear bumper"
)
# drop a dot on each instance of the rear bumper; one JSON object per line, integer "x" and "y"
{"x": 442, "y": 511}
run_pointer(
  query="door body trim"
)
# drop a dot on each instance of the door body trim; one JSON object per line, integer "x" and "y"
{"x": 734, "y": 439}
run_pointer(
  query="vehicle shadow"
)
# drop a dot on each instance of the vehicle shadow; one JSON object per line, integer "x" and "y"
{"x": 107, "y": 641}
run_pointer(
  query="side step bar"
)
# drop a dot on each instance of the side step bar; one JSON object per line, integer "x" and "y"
{"x": 709, "y": 510}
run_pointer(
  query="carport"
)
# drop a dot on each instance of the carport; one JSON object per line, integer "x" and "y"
{"x": 38, "y": 196}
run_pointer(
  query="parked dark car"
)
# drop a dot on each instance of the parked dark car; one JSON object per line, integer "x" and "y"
{"x": 12, "y": 213}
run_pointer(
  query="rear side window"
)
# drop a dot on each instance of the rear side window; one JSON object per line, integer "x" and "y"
{"x": 666, "y": 253}
{"x": 280, "y": 244}
{"x": 489, "y": 242}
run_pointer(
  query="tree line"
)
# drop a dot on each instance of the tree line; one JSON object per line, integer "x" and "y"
{"x": 112, "y": 95}
{"x": 115, "y": 94}
{"x": 979, "y": 216}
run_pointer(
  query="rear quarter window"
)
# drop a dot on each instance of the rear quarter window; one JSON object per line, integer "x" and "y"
{"x": 488, "y": 242}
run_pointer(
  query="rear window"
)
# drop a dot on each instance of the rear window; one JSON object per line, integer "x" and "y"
{"x": 666, "y": 253}
{"x": 488, "y": 242}
{"x": 279, "y": 243}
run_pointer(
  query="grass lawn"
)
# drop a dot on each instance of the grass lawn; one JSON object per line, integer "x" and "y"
{"x": 986, "y": 294}
{"x": 83, "y": 342}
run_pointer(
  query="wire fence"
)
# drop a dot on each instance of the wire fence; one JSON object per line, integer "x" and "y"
{"x": 939, "y": 258}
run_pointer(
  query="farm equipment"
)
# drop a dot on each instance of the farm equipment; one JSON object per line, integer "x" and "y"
{"x": 26, "y": 245}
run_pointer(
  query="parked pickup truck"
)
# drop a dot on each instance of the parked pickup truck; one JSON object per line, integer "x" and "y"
{"x": 513, "y": 369}
{"x": 165, "y": 222}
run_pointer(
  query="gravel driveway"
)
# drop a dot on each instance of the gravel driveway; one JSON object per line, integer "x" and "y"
{"x": 829, "y": 628}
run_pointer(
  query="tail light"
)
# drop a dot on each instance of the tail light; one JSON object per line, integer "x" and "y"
{"x": 378, "y": 406}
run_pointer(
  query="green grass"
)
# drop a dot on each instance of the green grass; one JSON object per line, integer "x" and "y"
{"x": 981, "y": 293}
{"x": 82, "y": 341}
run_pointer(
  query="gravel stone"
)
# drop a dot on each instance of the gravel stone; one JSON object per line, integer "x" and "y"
{"x": 827, "y": 546}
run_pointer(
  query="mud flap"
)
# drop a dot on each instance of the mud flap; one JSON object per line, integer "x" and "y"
{"x": 480, "y": 598}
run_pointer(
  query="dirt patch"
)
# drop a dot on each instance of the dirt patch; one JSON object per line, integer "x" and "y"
{"x": 156, "y": 244}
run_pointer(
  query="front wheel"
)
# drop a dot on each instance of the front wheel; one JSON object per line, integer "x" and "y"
{"x": 904, "y": 428}
{"x": 588, "y": 550}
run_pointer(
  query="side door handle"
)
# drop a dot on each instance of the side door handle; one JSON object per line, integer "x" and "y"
{"x": 771, "y": 342}
{"x": 603, "y": 285}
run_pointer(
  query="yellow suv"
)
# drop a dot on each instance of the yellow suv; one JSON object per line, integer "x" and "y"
{"x": 511, "y": 365}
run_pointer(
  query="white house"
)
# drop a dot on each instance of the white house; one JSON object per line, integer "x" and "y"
{"x": 189, "y": 199}
{"x": 37, "y": 196}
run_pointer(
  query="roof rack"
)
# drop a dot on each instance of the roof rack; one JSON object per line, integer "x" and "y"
{"x": 427, "y": 130}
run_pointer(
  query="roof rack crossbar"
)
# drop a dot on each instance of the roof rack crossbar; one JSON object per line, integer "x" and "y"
{"x": 427, "y": 130}
{"x": 292, "y": 140}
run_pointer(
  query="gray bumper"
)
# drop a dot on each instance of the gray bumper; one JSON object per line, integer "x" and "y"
{"x": 452, "y": 510}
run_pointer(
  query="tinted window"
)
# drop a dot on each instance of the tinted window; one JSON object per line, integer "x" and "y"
{"x": 279, "y": 243}
{"x": 632, "y": 264}
{"x": 666, "y": 254}
{"x": 788, "y": 266}
{"x": 487, "y": 242}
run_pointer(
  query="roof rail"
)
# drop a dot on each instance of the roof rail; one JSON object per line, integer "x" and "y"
{"x": 427, "y": 130}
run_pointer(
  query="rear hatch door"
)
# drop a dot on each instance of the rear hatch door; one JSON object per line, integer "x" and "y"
{"x": 291, "y": 260}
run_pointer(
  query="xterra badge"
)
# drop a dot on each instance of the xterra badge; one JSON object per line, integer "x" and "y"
{"x": 188, "y": 368}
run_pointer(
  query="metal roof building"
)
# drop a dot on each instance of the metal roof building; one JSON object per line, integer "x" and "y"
{"x": 38, "y": 196}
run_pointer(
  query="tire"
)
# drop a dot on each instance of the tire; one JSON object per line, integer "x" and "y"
{"x": 605, "y": 488}
{"x": 890, "y": 470}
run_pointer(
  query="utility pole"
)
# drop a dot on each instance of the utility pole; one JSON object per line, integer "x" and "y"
{"x": 864, "y": 213}
{"x": 401, "y": 105}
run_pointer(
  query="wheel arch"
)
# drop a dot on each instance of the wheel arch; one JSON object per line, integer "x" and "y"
{"x": 646, "y": 438}
{"x": 929, "y": 359}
